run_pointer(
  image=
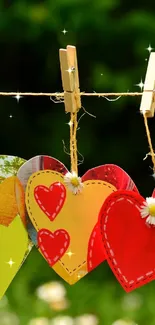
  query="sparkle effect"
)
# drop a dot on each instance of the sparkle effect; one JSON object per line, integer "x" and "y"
{"x": 10, "y": 116}
{"x": 11, "y": 262}
{"x": 18, "y": 97}
{"x": 70, "y": 70}
{"x": 148, "y": 210}
{"x": 70, "y": 123}
{"x": 149, "y": 48}
{"x": 64, "y": 31}
{"x": 140, "y": 85}
{"x": 70, "y": 254}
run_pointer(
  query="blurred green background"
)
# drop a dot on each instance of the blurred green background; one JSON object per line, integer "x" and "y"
{"x": 111, "y": 37}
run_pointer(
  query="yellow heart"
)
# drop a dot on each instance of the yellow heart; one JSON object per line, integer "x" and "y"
{"x": 78, "y": 217}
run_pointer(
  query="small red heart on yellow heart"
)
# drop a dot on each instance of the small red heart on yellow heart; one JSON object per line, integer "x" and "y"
{"x": 50, "y": 200}
{"x": 58, "y": 240}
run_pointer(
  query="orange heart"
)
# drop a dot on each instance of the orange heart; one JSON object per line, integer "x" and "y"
{"x": 11, "y": 188}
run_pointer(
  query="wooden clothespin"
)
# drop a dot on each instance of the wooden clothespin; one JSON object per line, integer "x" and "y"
{"x": 70, "y": 78}
{"x": 148, "y": 98}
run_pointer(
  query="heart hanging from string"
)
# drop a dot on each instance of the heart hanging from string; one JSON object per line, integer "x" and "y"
{"x": 52, "y": 206}
{"x": 127, "y": 227}
{"x": 128, "y": 234}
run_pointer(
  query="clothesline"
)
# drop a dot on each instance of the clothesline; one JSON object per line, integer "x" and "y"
{"x": 61, "y": 94}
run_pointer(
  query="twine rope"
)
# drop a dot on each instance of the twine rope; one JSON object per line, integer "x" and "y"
{"x": 74, "y": 124}
{"x": 149, "y": 140}
{"x": 60, "y": 95}
{"x": 73, "y": 142}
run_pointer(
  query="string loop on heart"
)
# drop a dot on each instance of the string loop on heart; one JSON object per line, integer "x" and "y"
{"x": 73, "y": 142}
{"x": 149, "y": 141}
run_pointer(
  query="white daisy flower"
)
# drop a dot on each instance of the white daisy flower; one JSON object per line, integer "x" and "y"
{"x": 73, "y": 182}
{"x": 148, "y": 210}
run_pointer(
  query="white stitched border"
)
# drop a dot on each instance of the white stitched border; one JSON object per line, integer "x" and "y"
{"x": 110, "y": 249}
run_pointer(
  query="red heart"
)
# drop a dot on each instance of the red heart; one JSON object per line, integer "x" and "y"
{"x": 50, "y": 200}
{"x": 121, "y": 180}
{"x": 113, "y": 175}
{"x": 95, "y": 254}
{"x": 128, "y": 242}
{"x": 53, "y": 245}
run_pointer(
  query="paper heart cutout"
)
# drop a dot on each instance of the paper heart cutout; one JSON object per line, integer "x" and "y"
{"x": 50, "y": 200}
{"x": 129, "y": 243}
{"x": 113, "y": 175}
{"x": 39, "y": 163}
{"x": 121, "y": 180}
{"x": 14, "y": 242}
{"x": 95, "y": 254}
{"x": 77, "y": 217}
{"x": 110, "y": 173}
{"x": 58, "y": 240}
